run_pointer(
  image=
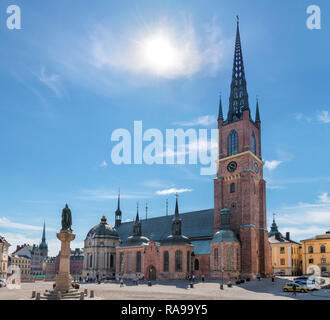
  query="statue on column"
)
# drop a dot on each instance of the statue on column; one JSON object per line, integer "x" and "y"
{"x": 66, "y": 218}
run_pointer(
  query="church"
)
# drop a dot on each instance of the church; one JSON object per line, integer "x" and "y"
{"x": 229, "y": 241}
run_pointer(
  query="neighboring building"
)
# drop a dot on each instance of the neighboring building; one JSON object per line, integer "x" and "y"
{"x": 229, "y": 240}
{"x": 49, "y": 268}
{"x": 21, "y": 257}
{"x": 76, "y": 263}
{"x": 38, "y": 255}
{"x": 286, "y": 256}
{"x": 4, "y": 246}
{"x": 316, "y": 254}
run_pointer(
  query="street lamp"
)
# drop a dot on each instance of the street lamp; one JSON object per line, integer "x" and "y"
{"x": 221, "y": 286}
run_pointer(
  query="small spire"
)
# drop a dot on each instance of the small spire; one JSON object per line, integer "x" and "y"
{"x": 119, "y": 199}
{"x": 257, "y": 111}
{"x": 176, "y": 206}
{"x": 137, "y": 219}
{"x": 220, "y": 116}
{"x": 146, "y": 211}
{"x": 44, "y": 232}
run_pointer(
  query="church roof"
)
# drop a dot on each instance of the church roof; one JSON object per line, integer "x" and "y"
{"x": 195, "y": 225}
{"x": 224, "y": 236}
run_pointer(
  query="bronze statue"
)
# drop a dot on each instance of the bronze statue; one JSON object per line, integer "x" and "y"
{"x": 66, "y": 218}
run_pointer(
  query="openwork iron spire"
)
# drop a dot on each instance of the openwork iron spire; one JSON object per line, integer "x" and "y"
{"x": 239, "y": 100}
{"x": 220, "y": 116}
{"x": 257, "y": 112}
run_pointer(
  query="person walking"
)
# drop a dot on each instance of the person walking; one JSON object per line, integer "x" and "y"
{"x": 294, "y": 288}
{"x": 203, "y": 278}
{"x": 121, "y": 282}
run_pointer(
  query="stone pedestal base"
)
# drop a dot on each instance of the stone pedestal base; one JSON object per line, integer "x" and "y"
{"x": 64, "y": 279}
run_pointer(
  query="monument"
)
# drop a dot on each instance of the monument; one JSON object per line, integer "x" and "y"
{"x": 64, "y": 279}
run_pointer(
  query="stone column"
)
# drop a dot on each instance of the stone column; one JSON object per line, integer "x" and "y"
{"x": 64, "y": 279}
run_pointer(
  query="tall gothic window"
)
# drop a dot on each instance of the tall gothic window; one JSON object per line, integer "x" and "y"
{"x": 91, "y": 261}
{"x": 232, "y": 143}
{"x": 121, "y": 262}
{"x": 216, "y": 257}
{"x": 188, "y": 261}
{"x": 228, "y": 258}
{"x": 166, "y": 261}
{"x": 138, "y": 261}
{"x": 196, "y": 264}
{"x": 253, "y": 143}
{"x": 178, "y": 261}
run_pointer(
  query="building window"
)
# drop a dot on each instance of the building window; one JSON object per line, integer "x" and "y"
{"x": 138, "y": 261}
{"x": 196, "y": 265}
{"x": 310, "y": 261}
{"x": 323, "y": 260}
{"x": 188, "y": 261}
{"x": 232, "y": 187}
{"x": 121, "y": 262}
{"x": 232, "y": 143}
{"x": 282, "y": 250}
{"x": 253, "y": 143}
{"x": 228, "y": 258}
{"x": 91, "y": 261}
{"x": 216, "y": 256}
{"x": 322, "y": 249}
{"x": 166, "y": 261}
{"x": 178, "y": 261}
{"x": 111, "y": 261}
{"x": 282, "y": 262}
{"x": 310, "y": 249}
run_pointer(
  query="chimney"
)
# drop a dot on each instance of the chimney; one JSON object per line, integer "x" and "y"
{"x": 287, "y": 237}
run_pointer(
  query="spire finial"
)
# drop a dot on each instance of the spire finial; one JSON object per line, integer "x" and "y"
{"x": 220, "y": 116}
{"x": 137, "y": 212}
{"x": 237, "y": 17}
{"x": 176, "y": 206}
{"x": 146, "y": 211}
{"x": 274, "y": 214}
{"x": 257, "y": 110}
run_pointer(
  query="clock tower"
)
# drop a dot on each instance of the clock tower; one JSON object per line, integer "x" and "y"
{"x": 239, "y": 188}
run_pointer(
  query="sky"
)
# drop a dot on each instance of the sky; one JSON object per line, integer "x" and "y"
{"x": 77, "y": 71}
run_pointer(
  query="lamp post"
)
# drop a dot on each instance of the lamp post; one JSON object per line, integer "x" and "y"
{"x": 221, "y": 286}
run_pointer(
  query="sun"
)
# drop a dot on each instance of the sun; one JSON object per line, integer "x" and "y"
{"x": 159, "y": 54}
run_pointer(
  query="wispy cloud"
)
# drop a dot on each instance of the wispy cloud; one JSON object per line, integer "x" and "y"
{"x": 103, "y": 164}
{"x": 6, "y": 223}
{"x": 324, "y": 116}
{"x": 101, "y": 195}
{"x": 302, "y": 117}
{"x": 272, "y": 165}
{"x": 200, "y": 121}
{"x": 172, "y": 191}
{"x": 52, "y": 81}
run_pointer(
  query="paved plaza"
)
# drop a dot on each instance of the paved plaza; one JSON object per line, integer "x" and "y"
{"x": 173, "y": 290}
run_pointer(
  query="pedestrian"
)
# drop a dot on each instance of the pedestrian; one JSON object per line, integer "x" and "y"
{"x": 203, "y": 278}
{"x": 294, "y": 288}
{"x": 273, "y": 280}
{"x": 193, "y": 278}
{"x": 121, "y": 282}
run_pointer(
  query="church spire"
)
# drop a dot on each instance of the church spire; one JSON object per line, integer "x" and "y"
{"x": 118, "y": 212}
{"x": 257, "y": 112}
{"x": 44, "y": 233}
{"x": 176, "y": 222}
{"x": 43, "y": 245}
{"x": 239, "y": 100}
{"x": 220, "y": 116}
{"x": 137, "y": 223}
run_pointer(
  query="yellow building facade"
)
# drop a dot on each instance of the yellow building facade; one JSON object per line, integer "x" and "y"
{"x": 316, "y": 255}
{"x": 4, "y": 246}
{"x": 286, "y": 253}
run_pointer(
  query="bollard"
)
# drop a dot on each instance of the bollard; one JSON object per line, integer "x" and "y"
{"x": 149, "y": 283}
{"x": 82, "y": 296}
{"x": 221, "y": 286}
{"x": 85, "y": 292}
{"x": 33, "y": 294}
{"x": 191, "y": 285}
{"x": 59, "y": 295}
{"x": 92, "y": 294}
{"x": 38, "y": 296}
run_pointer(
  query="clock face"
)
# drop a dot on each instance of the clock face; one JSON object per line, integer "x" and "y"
{"x": 256, "y": 168}
{"x": 232, "y": 166}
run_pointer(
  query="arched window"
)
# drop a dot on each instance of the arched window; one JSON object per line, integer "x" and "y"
{"x": 166, "y": 261}
{"x": 91, "y": 261}
{"x": 216, "y": 256}
{"x": 188, "y": 261}
{"x": 310, "y": 249}
{"x": 253, "y": 143}
{"x": 196, "y": 264}
{"x": 228, "y": 258}
{"x": 322, "y": 249}
{"x": 232, "y": 187}
{"x": 232, "y": 143}
{"x": 121, "y": 262}
{"x": 138, "y": 261}
{"x": 178, "y": 261}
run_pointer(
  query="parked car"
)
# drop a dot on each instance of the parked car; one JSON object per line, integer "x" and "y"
{"x": 280, "y": 273}
{"x": 310, "y": 284}
{"x": 3, "y": 283}
{"x": 301, "y": 278}
{"x": 289, "y": 287}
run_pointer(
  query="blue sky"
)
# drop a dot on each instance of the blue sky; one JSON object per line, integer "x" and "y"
{"x": 73, "y": 74}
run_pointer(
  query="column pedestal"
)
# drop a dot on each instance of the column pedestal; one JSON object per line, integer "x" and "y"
{"x": 64, "y": 278}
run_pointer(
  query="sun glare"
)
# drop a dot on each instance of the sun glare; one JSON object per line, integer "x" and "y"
{"x": 159, "y": 54}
